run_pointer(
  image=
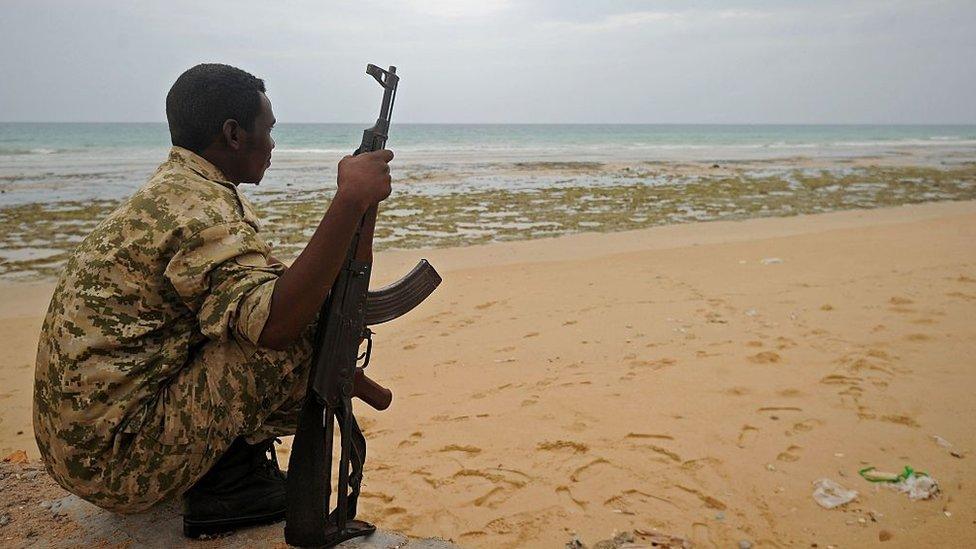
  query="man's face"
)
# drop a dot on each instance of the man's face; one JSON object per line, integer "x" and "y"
{"x": 255, "y": 155}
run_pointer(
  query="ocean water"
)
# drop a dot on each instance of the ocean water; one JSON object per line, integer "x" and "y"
{"x": 457, "y": 185}
{"x": 44, "y": 163}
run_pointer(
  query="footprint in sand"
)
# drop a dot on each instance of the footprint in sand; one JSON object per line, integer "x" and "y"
{"x": 569, "y": 322}
{"x": 837, "y": 379}
{"x": 463, "y": 322}
{"x": 791, "y": 454}
{"x": 653, "y": 364}
{"x": 765, "y": 357}
{"x": 412, "y": 440}
{"x": 578, "y": 473}
{"x": 633, "y": 502}
{"x": 918, "y": 337}
{"x": 784, "y": 343}
{"x": 648, "y": 435}
{"x": 826, "y": 307}
{"x": 642, "y": 440}
{"x": 715, "y": 318}
{"x": 774, "y": 411}
{"x": 501, "y": 484}
{"x": 471, "y": 450}
{"x": 566, "y": 445}
{"x": 747, "y": 436}
{"x": 804, "y": 426}
{"x": 571, "y": 501}
{"x": 897, "y": 300}
{"x": 485, "y": 305}
{"x": 707, "y": 500}
{"x": 900, "y": 420}
{"x": 387, "y": 511}
{"x": 576, "y": 427}
{"x": 384, "y": 498}
{"x": 472, "y": 537}
{"x": 666, "y": 455}
{"x": 779, "y": 409}
{"x": 880, "y": 353}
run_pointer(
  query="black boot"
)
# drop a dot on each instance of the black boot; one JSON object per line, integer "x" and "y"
{"x": 244, "y": 488}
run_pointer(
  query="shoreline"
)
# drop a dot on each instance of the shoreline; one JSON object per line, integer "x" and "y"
{"x": 693, "y": 378}
{"x": 439, "y": 208}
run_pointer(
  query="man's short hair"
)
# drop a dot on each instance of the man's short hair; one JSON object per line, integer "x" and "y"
{"x": 207, "y": 95}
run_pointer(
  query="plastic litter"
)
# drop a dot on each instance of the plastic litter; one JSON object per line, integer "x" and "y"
{"x": 942, "y": 442}
{"x": 829, "y": 494}
{"x": 770, "y": 260}
{"x": 918, "y": 487}
{"x": 871, "y": 474}
{"x": 948, "y": 446}
{"x": 916, "y": 484}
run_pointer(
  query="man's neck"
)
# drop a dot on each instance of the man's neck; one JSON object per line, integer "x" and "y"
{"x": 221, "y": 160}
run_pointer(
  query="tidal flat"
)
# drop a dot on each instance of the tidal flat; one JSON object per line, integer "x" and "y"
{"x": 520, "y": 200}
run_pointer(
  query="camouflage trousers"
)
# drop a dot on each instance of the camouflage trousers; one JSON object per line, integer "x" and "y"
{"x": 229, "y": 389}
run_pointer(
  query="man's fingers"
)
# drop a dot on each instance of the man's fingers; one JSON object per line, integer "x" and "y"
{"x": 384, "y": 154}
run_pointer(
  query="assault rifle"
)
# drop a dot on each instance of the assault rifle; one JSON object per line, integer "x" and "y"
{"x": 344, "y": 322}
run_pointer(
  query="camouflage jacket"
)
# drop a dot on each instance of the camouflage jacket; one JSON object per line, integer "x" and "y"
{"x": 180, "y": 262}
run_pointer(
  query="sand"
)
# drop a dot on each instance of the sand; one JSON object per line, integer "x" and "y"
{"x": 694, "y": 379}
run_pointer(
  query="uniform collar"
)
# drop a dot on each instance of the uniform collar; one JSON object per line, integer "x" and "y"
{"x": 198, "y": 164}
{"x": 203, "y": 167}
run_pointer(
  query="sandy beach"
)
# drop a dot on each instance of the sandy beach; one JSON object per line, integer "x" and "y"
{"x": 691, "y": 379}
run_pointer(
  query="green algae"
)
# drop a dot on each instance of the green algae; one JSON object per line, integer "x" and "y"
{"x": 637, "y": 197}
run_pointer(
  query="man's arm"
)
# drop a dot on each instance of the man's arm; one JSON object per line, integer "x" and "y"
{"x": 364, "y": 181}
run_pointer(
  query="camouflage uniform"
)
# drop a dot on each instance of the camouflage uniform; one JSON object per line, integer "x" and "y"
{"x": 148, "y": 365}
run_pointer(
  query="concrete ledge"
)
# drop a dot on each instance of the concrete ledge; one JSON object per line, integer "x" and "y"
{"x": 35, "y": 511}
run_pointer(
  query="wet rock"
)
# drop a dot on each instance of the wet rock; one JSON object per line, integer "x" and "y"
{"x": 575, "y": 543}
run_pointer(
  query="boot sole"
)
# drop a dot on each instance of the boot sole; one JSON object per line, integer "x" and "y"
{"x": 197, "y": 528}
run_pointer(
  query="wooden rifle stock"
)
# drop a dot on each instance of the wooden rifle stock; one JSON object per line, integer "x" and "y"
{"x": 370, "y": 392}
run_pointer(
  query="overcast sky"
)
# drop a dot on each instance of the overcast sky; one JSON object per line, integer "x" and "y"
{"x": 845, "y": 61}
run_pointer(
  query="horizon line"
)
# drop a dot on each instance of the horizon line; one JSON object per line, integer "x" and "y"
{"x": 281, "y": 122}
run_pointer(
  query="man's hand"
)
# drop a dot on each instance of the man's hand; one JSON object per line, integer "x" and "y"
{"x": 364, "y": 179}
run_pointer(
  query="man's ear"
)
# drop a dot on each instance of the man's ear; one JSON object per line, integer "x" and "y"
{"x": 232, "y": 134}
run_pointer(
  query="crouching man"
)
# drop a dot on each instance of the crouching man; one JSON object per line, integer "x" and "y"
{"x": 176, "y": 348}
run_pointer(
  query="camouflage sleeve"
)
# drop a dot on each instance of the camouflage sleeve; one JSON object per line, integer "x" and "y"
{"x": 223, "y": 274}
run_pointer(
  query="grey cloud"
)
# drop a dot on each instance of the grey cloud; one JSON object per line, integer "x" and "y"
{"x": 468, "y": 61}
